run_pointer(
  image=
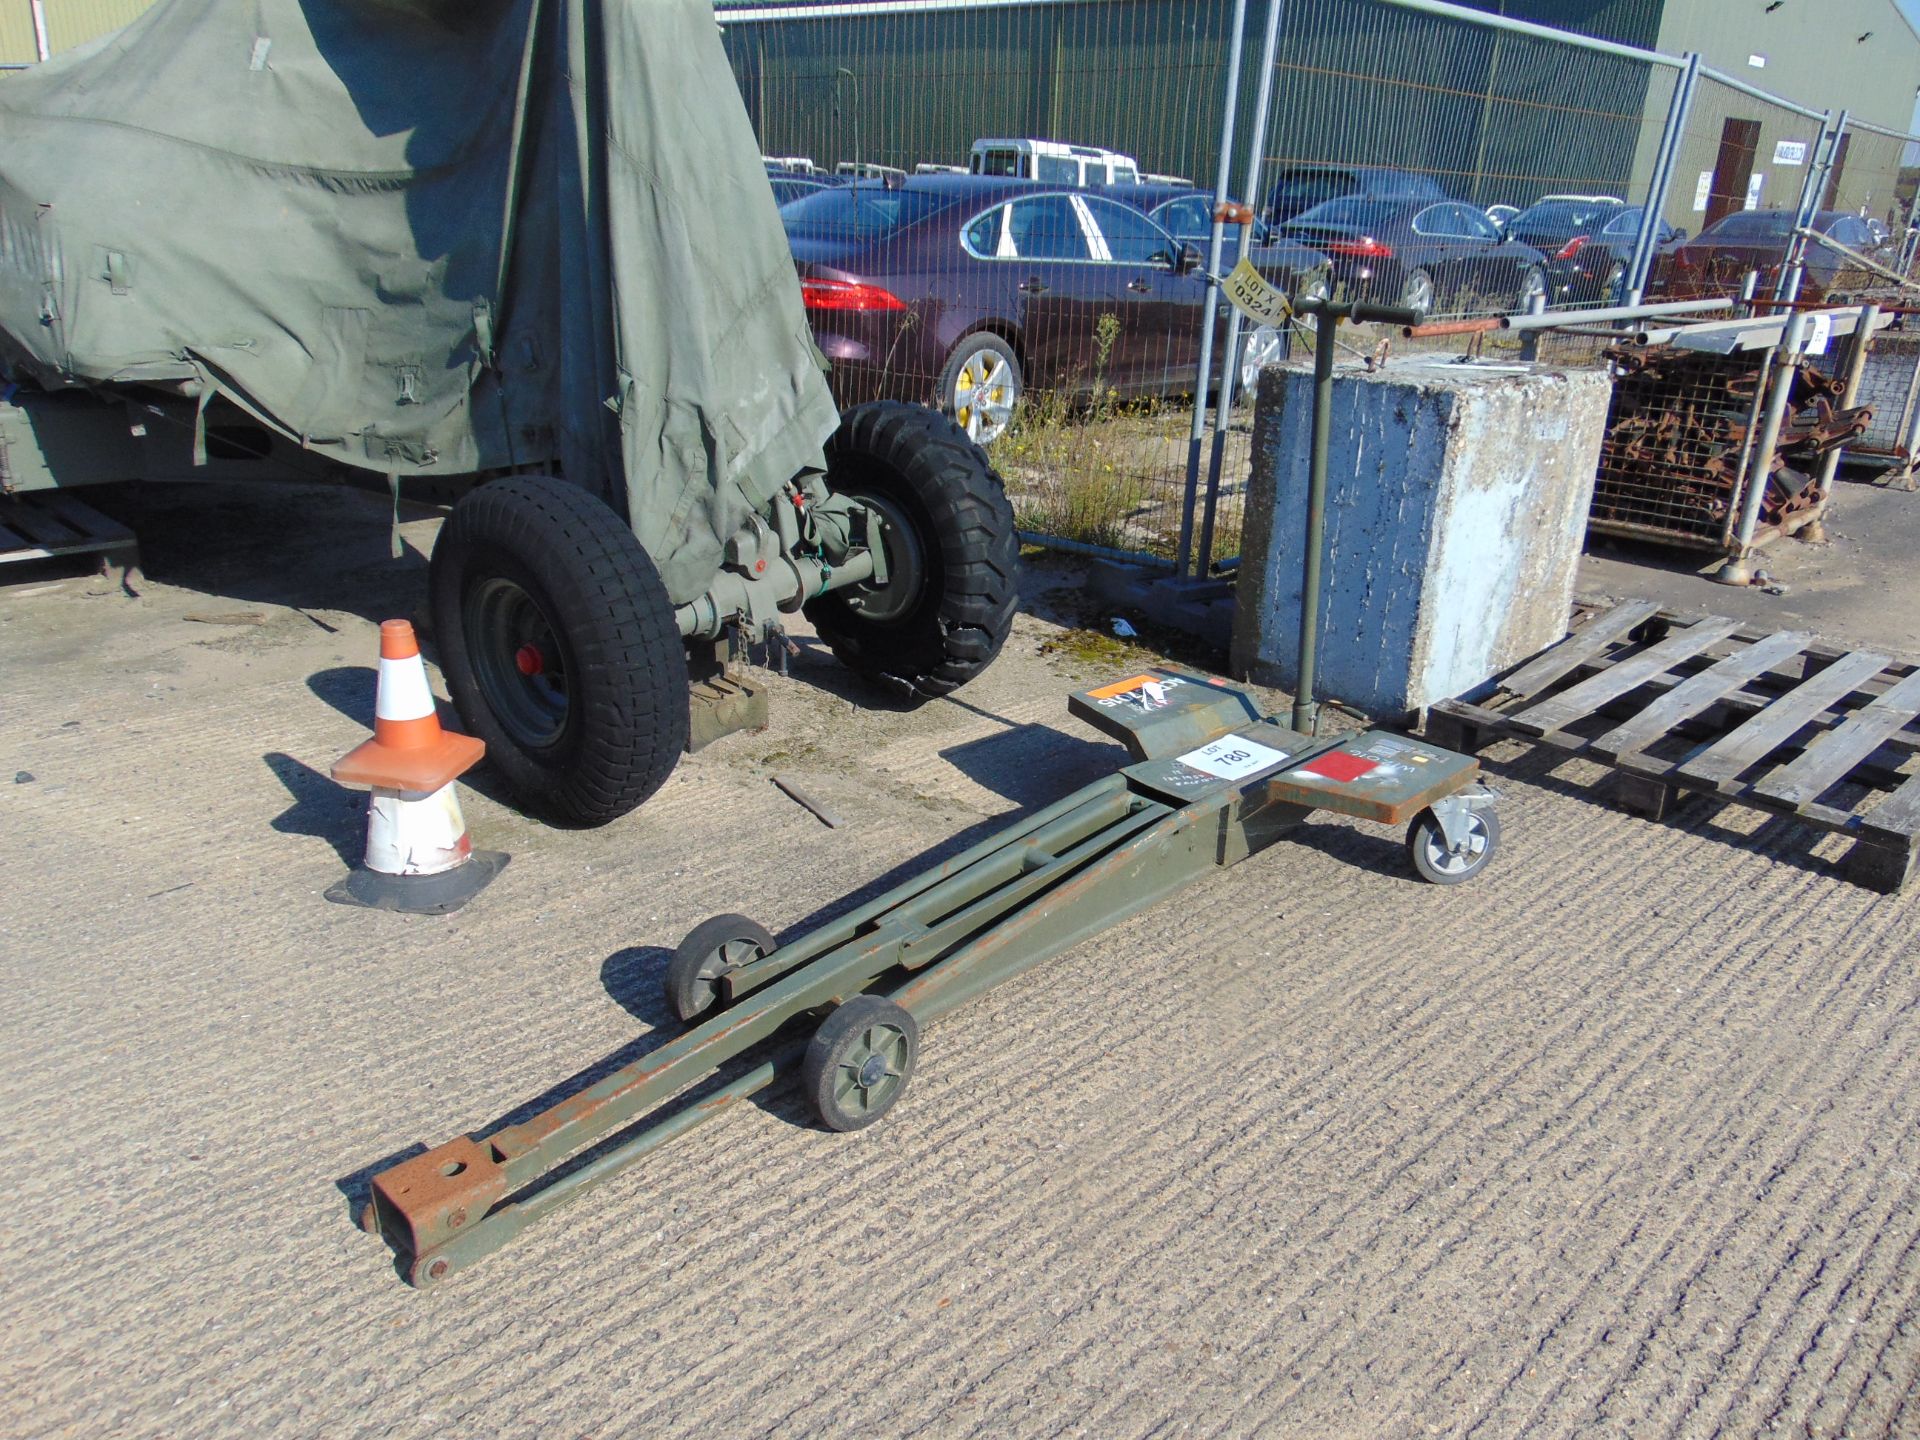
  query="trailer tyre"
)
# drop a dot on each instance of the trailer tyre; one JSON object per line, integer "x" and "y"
{"x": 859, "y": 1062}
{"x": 952, "y": 552}
{"x": 711, "y": 949}
{"x": 560, "y": 648}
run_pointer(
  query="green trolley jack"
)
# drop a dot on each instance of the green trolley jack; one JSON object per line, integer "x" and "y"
{"x": 1211, "y": 783}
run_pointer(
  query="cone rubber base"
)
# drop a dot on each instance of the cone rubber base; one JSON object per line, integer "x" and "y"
{"x": 440, "y": 894}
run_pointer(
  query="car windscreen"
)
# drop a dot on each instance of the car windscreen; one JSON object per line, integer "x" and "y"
{"x": 1750, "y": 225}
{"x": 1351, "y": 210}
{"x": 859, "y": 212}
{"x": 1571, "y": 216}
{"x": 1296, "y": 190}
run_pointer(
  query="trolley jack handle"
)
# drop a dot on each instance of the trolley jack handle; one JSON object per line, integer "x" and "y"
{"x": 1327, "y": 315}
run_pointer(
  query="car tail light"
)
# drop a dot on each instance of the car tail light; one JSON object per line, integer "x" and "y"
{"x": 1366, "y": 248}
{"x": 1571, "y": 248}
{"x": 847, "y": 295}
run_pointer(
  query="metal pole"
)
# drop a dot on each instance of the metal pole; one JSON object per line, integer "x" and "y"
{"x": 1304, "y": 709}
{"x": 1819, "y": 164}
{"x": 1204, "y": 376}
{"x": 1737, "y": 570}
{"x": 1530, "y": 336}
{"x": 1849, "y": 397}
{"x": 1229, "y": 366}
{"x": 1660, "y": 184}
{"x": 40, "y": 31}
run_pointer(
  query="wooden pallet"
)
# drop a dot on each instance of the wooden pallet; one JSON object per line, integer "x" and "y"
{"x": 45, "y": 524}
{"x": 1779, "y": 721}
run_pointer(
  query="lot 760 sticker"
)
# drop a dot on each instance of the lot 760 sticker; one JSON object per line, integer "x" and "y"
{"x": 1233, "y": 758}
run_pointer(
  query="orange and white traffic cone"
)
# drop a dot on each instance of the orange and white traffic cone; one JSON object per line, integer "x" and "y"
{"x": 419, "y": 856}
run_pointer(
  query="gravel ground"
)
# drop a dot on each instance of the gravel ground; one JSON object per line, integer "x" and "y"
{"x": 1617, "y": 1141}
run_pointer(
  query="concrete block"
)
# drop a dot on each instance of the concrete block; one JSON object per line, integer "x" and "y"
{"x": 1456, "y": 509}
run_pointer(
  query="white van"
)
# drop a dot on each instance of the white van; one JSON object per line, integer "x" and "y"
{"x": 1053, "y": 161}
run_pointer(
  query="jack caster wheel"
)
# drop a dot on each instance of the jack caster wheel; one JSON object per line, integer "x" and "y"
{"x": 711, "y": 949}
{"x": 859, "y": 1062}
{"x": 1434, "y": 861}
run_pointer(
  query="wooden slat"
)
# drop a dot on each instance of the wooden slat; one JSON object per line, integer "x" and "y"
{"x": 1779, "y": 722}
{"x": 1898, "y": 816}
{"x": 1697, "y": 693}
{"x": 1579, "y": 647}
{"x": 1833, "y": 754}
{"x": 1561, "y": 710}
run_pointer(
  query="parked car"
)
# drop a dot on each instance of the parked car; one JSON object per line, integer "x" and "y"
{"x": 1588, "y": 244}
{"x": 964, "y": 292}
{"x": 1301, "y": 271}
{"x": 1298, "y": 188}
{"x": 791, "y": 187}
{"x": 1430, "y": 255}
{"x": 1716, "y": 262}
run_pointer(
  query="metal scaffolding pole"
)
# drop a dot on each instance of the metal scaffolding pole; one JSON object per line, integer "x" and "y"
{"x": 1211, "y": 308}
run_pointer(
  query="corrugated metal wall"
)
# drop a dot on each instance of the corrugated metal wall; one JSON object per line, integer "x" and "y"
{"x": 69, "y": 23}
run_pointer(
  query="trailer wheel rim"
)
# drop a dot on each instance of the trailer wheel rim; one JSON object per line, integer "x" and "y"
{"x": 871, "y": 1071}
{"x": 1470, "y": 856}
{"x": 906, "y": 566}
{"x": 518, "y": 661}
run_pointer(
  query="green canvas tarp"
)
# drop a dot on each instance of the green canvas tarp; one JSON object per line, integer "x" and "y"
{"x": 425, "y": 237}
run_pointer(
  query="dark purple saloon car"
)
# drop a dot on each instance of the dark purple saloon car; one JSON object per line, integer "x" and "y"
{"x": 966, "y": 291}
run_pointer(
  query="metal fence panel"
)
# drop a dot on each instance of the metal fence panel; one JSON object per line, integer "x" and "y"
{"x": 1485, "y": 112}
{"x": 1740, "y": 152}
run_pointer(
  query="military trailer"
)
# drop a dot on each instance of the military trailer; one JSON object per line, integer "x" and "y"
{"x": 522, "y": 254}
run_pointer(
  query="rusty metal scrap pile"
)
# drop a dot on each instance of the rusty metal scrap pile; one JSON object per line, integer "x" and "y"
{"x": 1672, "y": 459}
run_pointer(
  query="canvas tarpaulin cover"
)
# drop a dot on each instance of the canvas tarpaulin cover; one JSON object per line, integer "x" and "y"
{"x": 425, "y": 237}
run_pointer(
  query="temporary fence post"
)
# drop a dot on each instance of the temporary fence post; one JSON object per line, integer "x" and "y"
{"x": 1819, "y": 165}
{"x": 1849, "y": 397}
{"x": 1779, "y": 379}
{"x": 1660, "y": 184}
{"x": 1211, "y": 307}
{"x": 1229, "y": 362}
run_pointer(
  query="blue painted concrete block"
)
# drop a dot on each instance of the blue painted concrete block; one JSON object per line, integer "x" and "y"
{"x": 1457, "y": 505}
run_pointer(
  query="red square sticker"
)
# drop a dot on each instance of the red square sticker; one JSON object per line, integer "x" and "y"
{"x": 1338, "y": 765}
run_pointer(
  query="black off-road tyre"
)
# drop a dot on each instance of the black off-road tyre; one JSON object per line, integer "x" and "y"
{"x": 559, "y": 646}
{"x": 953, "y": 557}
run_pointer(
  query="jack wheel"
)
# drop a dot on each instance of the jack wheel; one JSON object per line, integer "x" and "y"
{"x": 711, "y": 949}
{"x": 1435, "y": 863}
{"x": 859, "y": 1061}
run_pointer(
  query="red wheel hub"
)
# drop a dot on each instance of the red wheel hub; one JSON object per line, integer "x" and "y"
{"x": 530, "y": 660}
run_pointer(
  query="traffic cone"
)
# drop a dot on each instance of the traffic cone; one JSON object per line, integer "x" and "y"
{"x": 419, "y": 857}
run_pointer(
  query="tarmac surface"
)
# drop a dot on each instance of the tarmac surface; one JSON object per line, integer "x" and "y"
{"x": 1618, "y": 1140}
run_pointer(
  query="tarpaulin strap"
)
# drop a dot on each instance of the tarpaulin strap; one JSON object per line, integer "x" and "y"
{"x": 483, "y": 333}
{"x": 394, "y": 548}
{"x": 200, "y": 423}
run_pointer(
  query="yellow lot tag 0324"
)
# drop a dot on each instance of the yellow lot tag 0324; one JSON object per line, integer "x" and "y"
{"x": 1248, "y": 291}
